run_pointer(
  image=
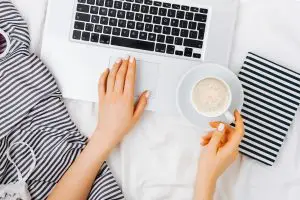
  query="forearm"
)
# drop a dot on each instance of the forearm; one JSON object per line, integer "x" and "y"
{"x": 205, "y": 187}
{"x": 77, "y": 182}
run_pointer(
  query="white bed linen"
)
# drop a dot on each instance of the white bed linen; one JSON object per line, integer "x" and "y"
{"x": 158, "y": 160}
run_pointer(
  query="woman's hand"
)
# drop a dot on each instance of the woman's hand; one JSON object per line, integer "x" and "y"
{"x": 118, "y": 112}
{"x": 219, "y": 152}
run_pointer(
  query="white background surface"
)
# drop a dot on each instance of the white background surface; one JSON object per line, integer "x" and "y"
{"x": 158, "y": 160}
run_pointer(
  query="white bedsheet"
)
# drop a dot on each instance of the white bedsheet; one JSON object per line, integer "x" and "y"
{"x": 158, "y": 159}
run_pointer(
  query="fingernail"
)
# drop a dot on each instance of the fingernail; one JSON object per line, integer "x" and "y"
{"x": 126, "y": 57}
{"x": 147, "y": 94}
{"x": 131, "y": 59}
{"x": 221, "y": 127}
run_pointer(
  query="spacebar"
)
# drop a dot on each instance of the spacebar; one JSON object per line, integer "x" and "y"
{"x": 136, "y": 44}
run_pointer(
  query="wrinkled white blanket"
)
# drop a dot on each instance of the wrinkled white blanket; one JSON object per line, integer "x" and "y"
{"x": 158, "y": 160}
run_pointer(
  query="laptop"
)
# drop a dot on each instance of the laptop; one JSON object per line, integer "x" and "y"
{"x": 83, "y": 37}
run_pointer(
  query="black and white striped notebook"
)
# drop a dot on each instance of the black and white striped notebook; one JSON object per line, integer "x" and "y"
{"x": 272, "y": 97}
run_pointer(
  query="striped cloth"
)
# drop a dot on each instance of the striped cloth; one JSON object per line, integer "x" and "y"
{"x": 272, "y": 97}
{"x": 32, "y": 111}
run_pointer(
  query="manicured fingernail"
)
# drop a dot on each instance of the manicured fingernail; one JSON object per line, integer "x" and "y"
{"x": 131, "y": 59}
{"x": 147, "y": 94}
{"x": 118, "y": 60}
{"x": 221, "y": 127}
{"x": 126, "y": 57}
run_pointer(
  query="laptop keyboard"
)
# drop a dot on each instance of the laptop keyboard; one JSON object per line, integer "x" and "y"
{"x": 146, "y": 25}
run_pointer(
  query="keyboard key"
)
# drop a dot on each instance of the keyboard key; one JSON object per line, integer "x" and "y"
{"x": 157, "y": 3}
{"x": 156, "y": 20}
{"x": 139, "y": 17}
{"x": 116, "y": 31}
{"x": 185, "y": 8}
{"x": 130, "y": 0}
{"x": 118, "y": 5}
{"x": 167, "y": 5}
{"x": 161, "y": 38}
{"x": 94, "y": 37}
{"x": 107, "y": 30}
{"x": 180, "y": 14}
{"x": 112, "y": 12}
{"x": 83, "y": 8}
{"x": 100, "y": 2}
{"x": 170, "y": 40}
{"x": 130, "y": 15}
{"x": 157, "y": 28}
{"x": 76, "y": 35}
{"x": 201, "y": 26}
{"x": 201, "y": 35}
{"x": 153, "y": 10}
{"x": 134, "y": 34}
{"x": 193, "y": 43}
{"x": 202, "y": 10}
{"x": 143, "y": 35}
{"x": 95, "y": 19}
{"x": 175, "y": 22}
{"x": 162, "y": 12}
{"x": 176, "y": 6}
{"x": 149, "y": 2}
{"x": 86, "y": 36}
{"x": 89, "y": 27}
{"x": 148, "y": 18}
{"x": 166, "y": 30}
{"x": 193, "y": 34}
{"x": 83, "y": 17}
{"x": 92, "y": 2}
{"x": 175, "y": 31}
{"x": 113, "y": 22}
{"x": 104, "y": 20}
{"x": 197, "y": 55}
{"x": 140, "y": 26}
{"x": 152, "y": 37}
{"x": 194, "y": 9}
{"x": 122, "y": 23}
{"x": 109, "y": 3}
{"x": 82, "y": 1}
{"x": 189, "y": 16}
{"x": 131, "y": 24}
{"x": 136, "y": 7}
{"x": 183, "y": 24}
{"x": 130, "y": 43}
{"x": 104, "y": 39}
{"x": 79, "y": 25}
{"x": 103, "y": 11}
{"x": 94, "y": 10}
{"x": 165, "y": 21}
{"x": 170, "y": 49}
{"x": 184, "y": 33}
{"x": 121, "y": 14}
{"x": 149, "y": 27}
{"x": 160, "y": 48}
{"x": 98, "y": 28}
{"x": 192, "y": 25}
{"x": 179, "y": 53}
{"x": 126, "y": 6}
{"x": 171, "y": 13}
{"x": 139, "y": 1}
{"x": 144, "y": 9}
{"x": 125, "y": 33}
{"x": 188, "y": 52}
{"x": 200, "y": 18}
{"x": 178, "y": 41}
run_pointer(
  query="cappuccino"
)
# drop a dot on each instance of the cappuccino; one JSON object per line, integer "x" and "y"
{"x": 211, "y": 97}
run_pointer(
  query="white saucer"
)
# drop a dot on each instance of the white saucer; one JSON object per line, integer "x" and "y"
{"x": 187, "y": 82}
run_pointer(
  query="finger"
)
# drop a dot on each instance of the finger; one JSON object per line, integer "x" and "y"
{"x": 207, "y": 136}
{"x": 102, "y": 83}
{"x": 239, "y": 122}
{"x": 216, "y": 124}
{"x": 130, "y": 77}
{"x": 121, "y": 75}
{"x": 217, "y": 137}
{"x": 140, "y": 106}
{"x": 112, "y": 75}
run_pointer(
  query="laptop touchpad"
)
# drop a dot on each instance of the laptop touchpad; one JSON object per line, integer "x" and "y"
{"x": 146, "y": 76}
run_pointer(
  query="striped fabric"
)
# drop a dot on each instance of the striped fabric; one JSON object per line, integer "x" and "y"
{"x": 32, "y": 111}
{"x": 272, "y": 97}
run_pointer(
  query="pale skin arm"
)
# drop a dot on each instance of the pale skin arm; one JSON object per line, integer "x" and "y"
{"x": 118, "y": 113}
{"x": 219, "y": 152}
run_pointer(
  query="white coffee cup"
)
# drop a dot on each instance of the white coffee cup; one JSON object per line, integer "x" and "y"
{"x": 225, "y": 111}
{"x": 6, "y": 38}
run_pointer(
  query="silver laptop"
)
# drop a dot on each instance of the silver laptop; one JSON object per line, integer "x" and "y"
{"x": 83, "y": 37}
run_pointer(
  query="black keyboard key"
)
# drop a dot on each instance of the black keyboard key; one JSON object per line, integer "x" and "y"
{"x": 185, "y": 8}
{"x": 89, "y": 27}
{"x": 194, "y": 9}
{"x": 112, "y": 12}
{"x": 130, "y": 0}
{"x": 82, "y": 1}
{"x": 79, "y": 25}
{"x": 201, "y": 35}
{"x": 122, "y": 23}
{"x": 167, "y": 5}
{"x": 152, "y": 37}
{"x": 94, "y": 37}
{"x": 170, "y": 40}
{"x": 193, "y": 34}
{"x": 153, "y": 10}
{"x": 116, "y": 31}
{"x": 76, "y": 35}
{"x": 170, "y": 49}
{"x": 83, "y": 17}
{"x": 143, "y": 35}
{"x": 103, "y": 11}
{"x": 130, "y": 15}
{"x": 139, "y": 1}
{"x": 192, "y": 25}
{"x": 160, "y": 48}
{"x": 203, "y": 10}
{"x": 162, "y": 12}
{"x": 148, "y": 2}
{"x": 175, "y": 31}
{"x": 176, "y": 6}
{"x": 107, "y": 30}
{"x": 161, "y": 38}
{"x": 113, "y": 22}
{"x": 144, "y": 9}
{"x": 86, "y": 36}
{"x": 175, "y": 22}
{"x": 180, "y": 14}
{"x": 157, "y": 28}
{"x": 94, "y": 10}
{"x": 126, "y": 6}
{"x": 100, "y": 2}
{"x": 98, "y": 28}
{"x": 83, "y": 8}
{"x": 166, "y": 30}
{"x": 179, "y": 53}
{"x": 134, "y": 34}
{"x": 183, "y": 24}
{"x": 197, "y": 55}
{"x": 131, "y": 24}
{"x": 125, "y": 33}
{"x": 165, "y": 21}
{"x": 201, "y": 26}
{"x": 178, "y": 41}
{"x": 140, "y": 26}
{"x": 156, "y": 20}
{"x": 109, "y": 3}
{"x": 200, "y": 18}
{"x": 139, "y": 17}
{"x": 130, "y": 43}
{"x": 104, "y": 39}
{"x": 189, "y": 16}
{"x": 148, "y": 18}
{"x": 149, "y": 27}
{"x": 121, "y": 14}
{"x": 136, "y": 7}
{"x": 118, "y": 5}
{"x": 92, "y": 2}
{"x": 193, "y": 43}
{"x": 95, "y": 19}
{"x": 184, "y": 33}
{"x": 104, "y": 20}
{"x": 188, "y": 52}
{"x": 157, "y": 3}
{"x": 171, "y": 13}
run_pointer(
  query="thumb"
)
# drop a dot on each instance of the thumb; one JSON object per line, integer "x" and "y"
{"x": 140, "y": 106}
{"x": 217, "y": 137}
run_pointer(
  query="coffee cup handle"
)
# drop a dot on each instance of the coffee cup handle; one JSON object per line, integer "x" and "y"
{"x": 229, "y": 117}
